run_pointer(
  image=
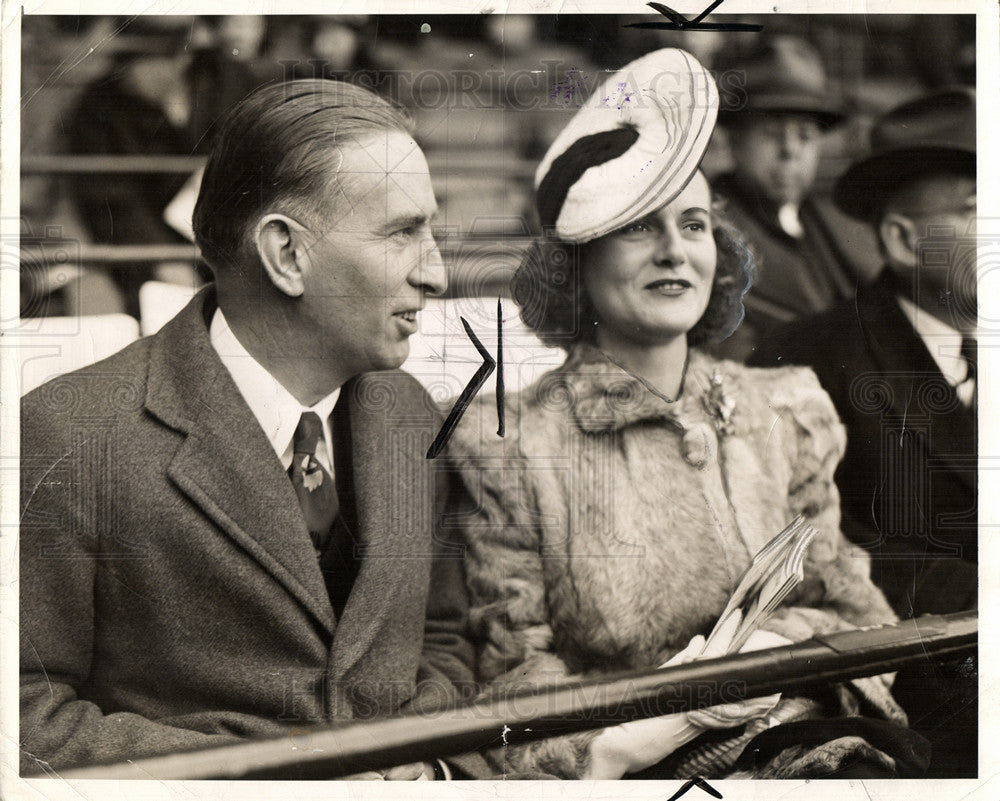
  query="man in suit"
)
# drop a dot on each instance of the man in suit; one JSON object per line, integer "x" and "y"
{"x": 229, "y": 529}
{"x": 777, "y": 108}
{"x": 900, "y": 365}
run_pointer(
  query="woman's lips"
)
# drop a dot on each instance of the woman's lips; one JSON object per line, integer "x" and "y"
{"x": 669, "y": 287}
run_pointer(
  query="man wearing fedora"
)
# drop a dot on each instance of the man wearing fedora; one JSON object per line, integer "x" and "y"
{"x": 900, "y": 365}
{"x": 777, "y": 111}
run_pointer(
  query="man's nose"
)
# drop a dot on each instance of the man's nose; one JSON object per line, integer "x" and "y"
{"x": 430, "y": 273}
{"x": 789, "y": 141}
{"x": 670, "y": 246}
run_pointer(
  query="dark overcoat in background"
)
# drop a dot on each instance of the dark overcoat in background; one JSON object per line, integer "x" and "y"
{"x": 794, "y": 277}
{"x": 170, "y": 594}
{"x": 908, "y": 487}
{"x": 908, "y": 479}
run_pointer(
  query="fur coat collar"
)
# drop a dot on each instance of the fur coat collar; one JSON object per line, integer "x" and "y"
{"x": 605, "y": 396}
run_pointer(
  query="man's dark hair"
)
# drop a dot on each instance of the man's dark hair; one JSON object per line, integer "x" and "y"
{"x": 276, "y": 151}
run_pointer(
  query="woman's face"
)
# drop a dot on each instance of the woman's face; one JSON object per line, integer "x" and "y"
{"x": 650, "y": 281}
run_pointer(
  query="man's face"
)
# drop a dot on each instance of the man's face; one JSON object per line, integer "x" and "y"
{"x": 778, "y": 155}
{"x": 372, "y": 257}
{"x": 942, "y": 212}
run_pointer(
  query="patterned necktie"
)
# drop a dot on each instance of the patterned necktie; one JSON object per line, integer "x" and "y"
{"x": 313, "y": 485}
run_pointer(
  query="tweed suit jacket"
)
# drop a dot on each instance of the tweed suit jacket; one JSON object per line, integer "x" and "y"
{"x": 908, "y": 481}
{"x": 170, "y": 595}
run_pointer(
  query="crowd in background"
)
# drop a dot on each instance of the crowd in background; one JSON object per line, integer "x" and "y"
{"x": 488, "y": 89}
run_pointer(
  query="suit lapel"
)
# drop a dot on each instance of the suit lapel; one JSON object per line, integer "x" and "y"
{"x": 226, "y": 465}
{"x": 917, "y": 384}
{"x": 394, "y": 511}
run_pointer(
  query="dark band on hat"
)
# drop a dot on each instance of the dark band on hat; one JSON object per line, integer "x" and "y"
{"x": 586, "y": 152}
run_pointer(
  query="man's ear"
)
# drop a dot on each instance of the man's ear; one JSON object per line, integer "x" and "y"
{"x": 279, "y": 241}
{"x": 898, "y": 234}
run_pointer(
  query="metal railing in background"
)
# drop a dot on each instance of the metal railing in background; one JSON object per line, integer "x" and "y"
{"x": 502, "y": 252}
{"x": 524, "y": 716}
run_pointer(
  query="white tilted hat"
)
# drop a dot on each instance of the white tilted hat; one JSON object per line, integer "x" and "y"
{"x": 630, "y": 149}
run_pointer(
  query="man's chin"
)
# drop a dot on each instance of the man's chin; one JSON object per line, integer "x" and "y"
{"x": 392, "y": 358}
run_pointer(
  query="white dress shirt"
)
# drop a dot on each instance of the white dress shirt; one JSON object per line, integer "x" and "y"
{"x": 945, "y": 346}
{"x": 275, "y": 407}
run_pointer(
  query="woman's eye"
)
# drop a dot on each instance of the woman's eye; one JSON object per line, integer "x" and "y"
{"x": 694, "y": 225}
{"x": 639, "y": 227}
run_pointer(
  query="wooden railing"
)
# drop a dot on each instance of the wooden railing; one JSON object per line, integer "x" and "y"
{"x": 524, "y": 716}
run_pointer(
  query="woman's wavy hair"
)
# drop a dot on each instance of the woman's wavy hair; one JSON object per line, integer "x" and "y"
{"x": 549, "y": 289}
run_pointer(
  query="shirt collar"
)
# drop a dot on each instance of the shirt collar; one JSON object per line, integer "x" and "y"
{"x": 943, "y": 342}
{"x": 275, "y": 408}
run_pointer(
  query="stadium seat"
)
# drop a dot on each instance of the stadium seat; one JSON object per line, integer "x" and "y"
{"x": 443, "y": 358}
{"x": 50, "y": 346}
{"x": 160, "y": 301}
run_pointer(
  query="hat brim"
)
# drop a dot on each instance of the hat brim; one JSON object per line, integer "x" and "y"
{"x": 826, "y": 114}
{"x": 671, "y": 101}
{"x": 863, "y": 187}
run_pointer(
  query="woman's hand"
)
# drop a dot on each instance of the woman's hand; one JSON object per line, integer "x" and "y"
{"x": 631, "y": 747}
{"x": 416, "y": 771}
{"x": 725, "y": 716}
{"x": 639, "y": 744}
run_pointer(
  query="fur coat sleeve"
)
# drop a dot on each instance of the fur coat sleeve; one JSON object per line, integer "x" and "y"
{"x": 837, "y": 592}
{"x": 509, "y": 614}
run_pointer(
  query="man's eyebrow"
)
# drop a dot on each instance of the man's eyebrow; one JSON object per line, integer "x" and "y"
{"x": 409, "y": 220}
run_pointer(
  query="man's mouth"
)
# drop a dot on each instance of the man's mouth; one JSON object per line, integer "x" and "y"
{"x": 669, "y": 286}
{"x": 409, "y": 316}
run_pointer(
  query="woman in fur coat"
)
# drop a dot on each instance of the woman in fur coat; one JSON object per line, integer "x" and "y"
{"x": 636, "y": 481}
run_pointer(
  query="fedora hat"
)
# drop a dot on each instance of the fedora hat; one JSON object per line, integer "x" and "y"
{"x": 782, "y": 75}
{"x": 934, "y": 131}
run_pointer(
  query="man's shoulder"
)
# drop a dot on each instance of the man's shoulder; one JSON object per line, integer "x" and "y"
{"x": 111, "y": 385}
{"x": 119, "y": 383}
{"x": 394, "y": 393}
{"x": 735, "y": 204}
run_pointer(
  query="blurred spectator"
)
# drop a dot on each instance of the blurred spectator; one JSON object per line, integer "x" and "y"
{"x": 942, "y": 49}
{"x": 59, "y": 54}
{"x": 161, "y": 100}
{"x": 900, "y": 364}
{"x": 241, "y": 36}
{"x": 323, "y": 46}
{"x": 777, "y": 107}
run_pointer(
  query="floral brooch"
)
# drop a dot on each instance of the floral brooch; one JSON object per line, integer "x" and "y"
{"x": 719, "y": 405}
{"x": 701, "y": 443}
